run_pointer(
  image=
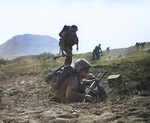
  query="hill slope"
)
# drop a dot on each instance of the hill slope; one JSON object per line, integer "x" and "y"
{"x": 24, "y": 96}
{"x": 27, "y": 44}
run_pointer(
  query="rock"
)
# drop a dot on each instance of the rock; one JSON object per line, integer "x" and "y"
{"x": 98, "y": 112}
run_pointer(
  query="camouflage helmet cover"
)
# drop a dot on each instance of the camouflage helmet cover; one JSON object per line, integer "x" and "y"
{"x": 81, "y": 64}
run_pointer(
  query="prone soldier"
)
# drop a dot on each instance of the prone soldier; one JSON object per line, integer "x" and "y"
{"x": 73, "y": 88}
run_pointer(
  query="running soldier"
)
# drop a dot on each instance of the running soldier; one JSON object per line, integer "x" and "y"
{"x": 107, "y": 50}
{"x": 69, "y": 39}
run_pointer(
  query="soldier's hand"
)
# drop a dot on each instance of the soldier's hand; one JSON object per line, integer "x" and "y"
{"x": 89, "y": 98}
{"x": 96, "y": 80}
{"x": 77, "y": 49}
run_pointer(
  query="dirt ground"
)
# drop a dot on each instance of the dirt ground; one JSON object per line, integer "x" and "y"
{"x": 25, "y": 99}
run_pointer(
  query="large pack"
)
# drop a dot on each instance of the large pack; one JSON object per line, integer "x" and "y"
{"x": 65, "y": 28}
{"x": 62, "y": 43}
{"x": 60, "y": 76}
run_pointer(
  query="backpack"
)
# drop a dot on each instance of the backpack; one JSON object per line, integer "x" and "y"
{"x": 65, "y": 28}
{"x": 60, "y": 76}
{"x": 62, "y": 43}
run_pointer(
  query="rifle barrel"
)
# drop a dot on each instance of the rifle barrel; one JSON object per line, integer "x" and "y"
{"x": 102, "y": 75}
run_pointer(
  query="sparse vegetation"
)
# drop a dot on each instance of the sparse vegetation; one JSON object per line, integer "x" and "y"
{"x": 45, "y": 56}
{"x": 23, "y": 87}
{"x": 3, "y": 62}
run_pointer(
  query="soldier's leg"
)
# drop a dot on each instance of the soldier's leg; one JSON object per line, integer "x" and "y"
{"x": 101, "y": 53}
{"x": 68, "y": 60}
{"x": 63, "y": 54}
{"x": 68, "y": 51}
{"x": 98, "y": 55}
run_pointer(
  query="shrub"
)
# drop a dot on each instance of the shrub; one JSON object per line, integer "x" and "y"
{"x": 2, "y": 61}
{"x": 45, "y": 56}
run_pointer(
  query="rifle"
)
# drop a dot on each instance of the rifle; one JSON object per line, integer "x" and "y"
{"x": 50, "y": 76}
{"x": 94, "y": 84}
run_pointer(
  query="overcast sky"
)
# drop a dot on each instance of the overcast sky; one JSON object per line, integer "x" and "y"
{"x": 112, "y": 23}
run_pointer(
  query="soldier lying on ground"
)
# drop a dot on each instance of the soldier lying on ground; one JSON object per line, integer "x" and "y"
{"x": 73, "y": 87}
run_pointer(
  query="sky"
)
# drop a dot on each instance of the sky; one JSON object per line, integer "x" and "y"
{"x": 111, "y": 23}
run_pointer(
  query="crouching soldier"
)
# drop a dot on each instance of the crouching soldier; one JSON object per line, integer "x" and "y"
{"x": 73, "y": 87}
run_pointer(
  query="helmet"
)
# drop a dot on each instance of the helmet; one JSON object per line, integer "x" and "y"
{"x": 74, "y": 27}
{"x": 81, "y": 64}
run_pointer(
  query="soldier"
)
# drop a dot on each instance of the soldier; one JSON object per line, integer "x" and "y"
{"x": 69, "y": 38}
{"x": 142, "y": 45}
{"x": 72, "y": 90}
{"x": 137, "y": 45}
{"x": 73, "y": 87}
{"x": 97, "y": 51}
{"x": 107, "y": 50}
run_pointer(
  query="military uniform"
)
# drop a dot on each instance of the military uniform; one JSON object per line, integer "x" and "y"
{"x": 70, "y": 91}
{"x": 69, "y": 38}
{"x": 73, "y": 87}
{"x": 73, "y": 90}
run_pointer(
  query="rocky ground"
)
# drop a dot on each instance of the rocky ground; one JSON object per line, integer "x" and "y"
{"x": 25, "y": 99}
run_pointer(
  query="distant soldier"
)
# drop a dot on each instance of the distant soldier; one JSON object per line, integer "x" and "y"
{"x": 107, "y": 50}
{"x": 68, "y": 39}
{"x": 137, "y": 45}
{"x": 142, "y": 45}
{"x": 98, "y": 51}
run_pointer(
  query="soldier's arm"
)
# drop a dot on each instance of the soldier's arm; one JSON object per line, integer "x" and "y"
{"x": 77, "y": 47}
{"x": 76, "y": 41}
{"x": 71, "y": 93}
{"x": 88, "y": 82}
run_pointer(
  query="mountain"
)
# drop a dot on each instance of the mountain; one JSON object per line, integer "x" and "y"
{"x": 27, "y": 44}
